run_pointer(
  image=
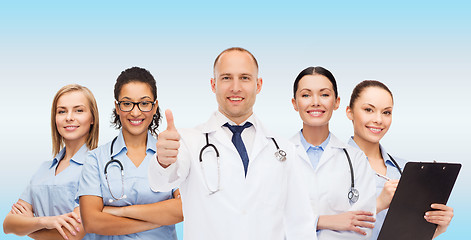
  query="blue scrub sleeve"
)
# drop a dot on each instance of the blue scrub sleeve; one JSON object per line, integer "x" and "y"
{"x": 90, "y": 181}
{"x": 26, "y": 195}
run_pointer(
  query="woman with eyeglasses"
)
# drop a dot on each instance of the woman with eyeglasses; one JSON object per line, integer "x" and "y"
{"x": 115, "y": 199}
{"x": 370, "y": 110}
{"x": 47, "y": 209}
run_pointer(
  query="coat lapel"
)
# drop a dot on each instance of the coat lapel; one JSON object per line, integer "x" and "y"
{"x": 215, "y": 131}
{"x": 260, "y": 141}
{"x": 331, "y": 149}
{"x": 300, "y": 151}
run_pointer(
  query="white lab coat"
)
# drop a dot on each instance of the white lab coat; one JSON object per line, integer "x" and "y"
{"x": 269, "y": 203}
{"x": 330, "y": 183}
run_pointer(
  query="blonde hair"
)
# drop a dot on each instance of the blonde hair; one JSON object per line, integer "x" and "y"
{"x": 92, "y": 138}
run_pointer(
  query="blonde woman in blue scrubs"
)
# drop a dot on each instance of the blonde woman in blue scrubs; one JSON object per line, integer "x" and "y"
{"x": 326, "y": 165}
{"x": 370, "y": 109}
{"x": 47, "y": 208}
{"x": 123, "y": 206}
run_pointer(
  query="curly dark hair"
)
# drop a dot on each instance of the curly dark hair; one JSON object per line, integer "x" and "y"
{"x": 136, "y": 74}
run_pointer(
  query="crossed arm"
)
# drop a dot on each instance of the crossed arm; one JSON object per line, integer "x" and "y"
{"x": 21, "y": 221}
{"x": 168, "y": 212}
{"x": 106, "y": 220}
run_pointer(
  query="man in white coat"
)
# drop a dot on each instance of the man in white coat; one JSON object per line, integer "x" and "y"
{"x": 235, "y": 183}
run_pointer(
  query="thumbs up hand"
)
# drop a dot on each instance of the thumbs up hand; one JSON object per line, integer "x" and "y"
{"x": 168, "y": 142}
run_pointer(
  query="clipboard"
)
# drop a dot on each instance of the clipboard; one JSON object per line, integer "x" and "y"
{"x": 421, "y": 184}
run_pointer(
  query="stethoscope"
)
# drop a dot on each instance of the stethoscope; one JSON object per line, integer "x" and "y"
{"x": 280, "y": 155}
{"x": 123, "y": 196}
{"x": 395, "y": 164}
{"x": 354, "y": 194}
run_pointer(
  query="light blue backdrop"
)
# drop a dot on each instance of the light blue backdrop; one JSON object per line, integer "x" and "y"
{"x": 420, "y": 49}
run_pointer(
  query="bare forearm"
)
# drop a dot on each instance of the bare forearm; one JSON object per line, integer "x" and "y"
{"x": 107, "y": 224}
{"x": 46, "y": 234}
{"x": 380, "y": 206}
{"x": 324, "y": 222}
{"x": 53, "y": 234}
{"x": 94, "y": 220}
{"x": 161, "y": 213}
{"x": 21, "y": 225}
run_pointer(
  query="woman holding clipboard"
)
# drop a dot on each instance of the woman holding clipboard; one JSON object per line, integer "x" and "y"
{"x": 370, "y": 109}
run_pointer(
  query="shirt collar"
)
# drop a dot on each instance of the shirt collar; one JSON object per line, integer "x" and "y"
{"x": 120, "y": 145}
{"x": 384, "y": 153}
{"x": 79, "y": 156}
{"x": 221, "y": 119}
{"x": 151, "y": 141}
{"x": 58, "y": 157}
{"x": 307, "y": 145}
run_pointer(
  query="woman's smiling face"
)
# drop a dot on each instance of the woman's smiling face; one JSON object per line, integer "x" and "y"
{"x": 315, "y": 100}
{"x": 371, "y": 114}
{"x": 136, "y": 122}
{"x": 73, "y": 117}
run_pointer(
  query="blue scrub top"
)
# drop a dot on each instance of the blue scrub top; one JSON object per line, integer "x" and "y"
{"x": 136, "y": 184}
{"x": 391, "y": 172}
{"x": 51, "y": 194}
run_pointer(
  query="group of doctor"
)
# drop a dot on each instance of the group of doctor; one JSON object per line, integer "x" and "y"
{"x": 229, "y": 178}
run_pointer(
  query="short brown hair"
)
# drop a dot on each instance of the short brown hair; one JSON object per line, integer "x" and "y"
{"x": 92, "y": 138}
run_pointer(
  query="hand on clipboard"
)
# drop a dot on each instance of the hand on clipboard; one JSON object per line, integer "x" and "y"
{"x": 441, "y": 215}
{"x": 421, "y": 185}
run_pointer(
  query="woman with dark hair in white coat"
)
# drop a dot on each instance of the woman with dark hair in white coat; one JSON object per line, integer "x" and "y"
{"x": 342, "y": 190}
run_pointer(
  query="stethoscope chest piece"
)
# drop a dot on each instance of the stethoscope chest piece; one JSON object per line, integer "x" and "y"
{"x": 280, "y": 155}
{"x": 353, "y": 195}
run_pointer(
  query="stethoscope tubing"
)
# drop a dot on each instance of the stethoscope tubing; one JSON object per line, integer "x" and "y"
{"x": 354, "y": 194}
{"x": 112, "y": 160}
{"x": 279, "y": 154}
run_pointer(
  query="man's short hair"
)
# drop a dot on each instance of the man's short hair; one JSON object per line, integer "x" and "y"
{"x": 235, "y": 49}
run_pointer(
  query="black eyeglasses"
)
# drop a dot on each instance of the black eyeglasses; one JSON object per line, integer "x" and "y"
{"x": 144, "y": 106}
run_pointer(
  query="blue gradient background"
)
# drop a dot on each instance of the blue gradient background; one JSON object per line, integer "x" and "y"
{"x": 420, "y": 49}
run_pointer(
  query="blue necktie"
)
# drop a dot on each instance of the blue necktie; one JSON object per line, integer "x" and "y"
{"x": 238, "y": 143}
